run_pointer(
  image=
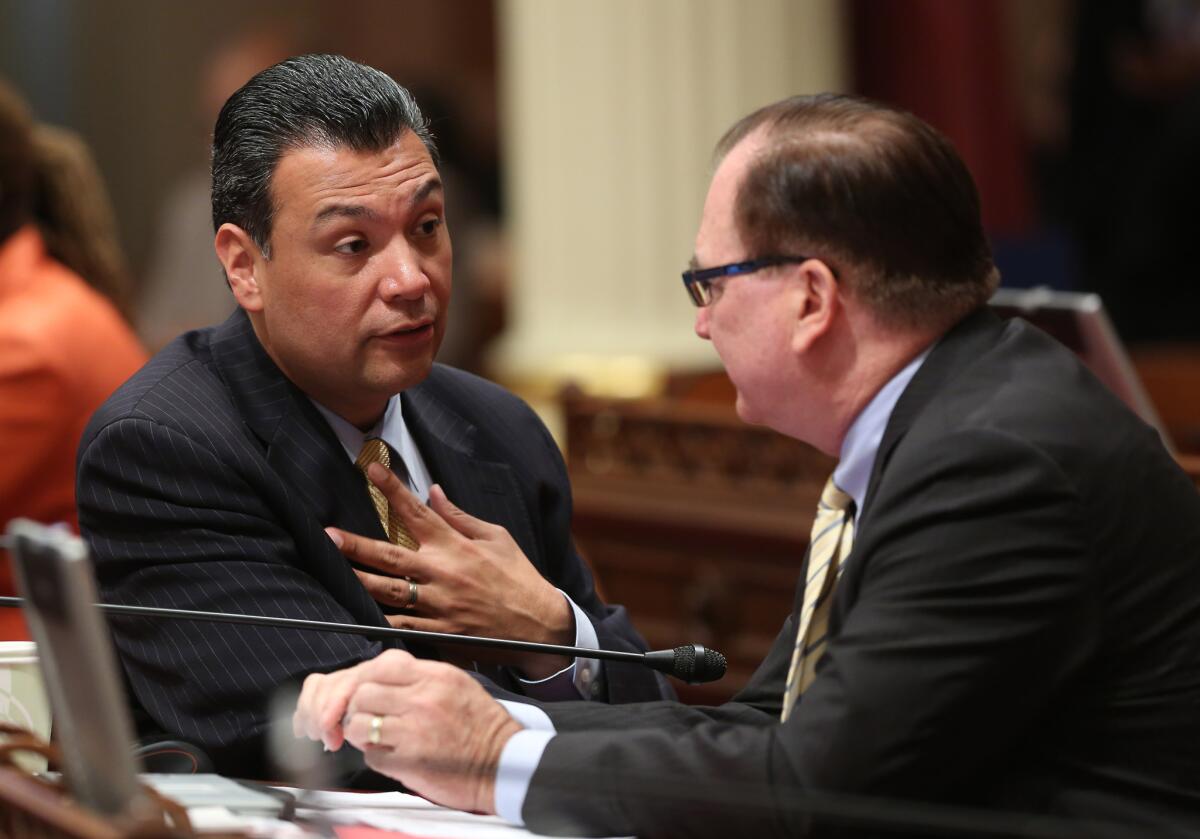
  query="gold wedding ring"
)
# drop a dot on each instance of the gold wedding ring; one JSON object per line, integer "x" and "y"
{"x": 376, "y": 733}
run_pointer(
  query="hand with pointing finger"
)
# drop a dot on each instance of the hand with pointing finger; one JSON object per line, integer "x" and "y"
{"x": 471, "y": 577}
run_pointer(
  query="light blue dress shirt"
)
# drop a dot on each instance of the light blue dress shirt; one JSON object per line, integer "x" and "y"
{"x": 861, "y": 443}
{"x": 523, "y": 751}
{"x": 583, "y": 677}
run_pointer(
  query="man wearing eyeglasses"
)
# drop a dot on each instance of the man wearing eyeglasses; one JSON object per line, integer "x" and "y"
{"x": 1000, "y": 605}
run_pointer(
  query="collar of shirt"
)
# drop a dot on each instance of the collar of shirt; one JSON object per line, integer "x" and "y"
{"x": 392, "y": 429}
{"x": 861, "y": 443}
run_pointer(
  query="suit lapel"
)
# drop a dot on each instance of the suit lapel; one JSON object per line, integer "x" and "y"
{"x": 306, "y": 454}
{"x": 486, "y": 489}
{"x": 953, "y": 351}
{"x": 959, "y": 347}
{"x": 300, "y": 446}
{"x": 448, "y": 442}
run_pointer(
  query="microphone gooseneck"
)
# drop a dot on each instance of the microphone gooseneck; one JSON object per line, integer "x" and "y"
{"x": 691, "y": 662}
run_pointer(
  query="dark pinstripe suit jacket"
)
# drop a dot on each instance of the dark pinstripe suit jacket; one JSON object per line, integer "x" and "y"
{"x": 205, "y": 482}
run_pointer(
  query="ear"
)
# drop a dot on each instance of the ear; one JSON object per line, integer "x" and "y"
{"x": 819, "y": 304}
{"x": 242, "y": 261}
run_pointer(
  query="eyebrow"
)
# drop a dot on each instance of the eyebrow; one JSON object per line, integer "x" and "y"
{"x": 344, "y": 211}
{"x": 693, "y": 263}
{"x": 359, "y": 211}
{"x": 428, "y": 188}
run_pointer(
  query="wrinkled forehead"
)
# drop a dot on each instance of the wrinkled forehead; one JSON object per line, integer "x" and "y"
{"x": 316, "y": 174}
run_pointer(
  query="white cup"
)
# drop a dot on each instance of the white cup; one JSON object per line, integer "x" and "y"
{"x": 23, "y": 696}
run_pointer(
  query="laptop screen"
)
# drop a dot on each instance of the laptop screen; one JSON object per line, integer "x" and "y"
{"x": 1080, "y": 323}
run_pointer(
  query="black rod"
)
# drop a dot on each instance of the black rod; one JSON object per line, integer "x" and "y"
{"x": 356, "y": 629}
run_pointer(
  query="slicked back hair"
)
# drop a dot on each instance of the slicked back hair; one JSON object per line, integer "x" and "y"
{"x": 304, "y": 102}
{"x": 866, "y": 186}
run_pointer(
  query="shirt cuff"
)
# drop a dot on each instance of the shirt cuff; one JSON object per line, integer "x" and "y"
{"x": 518, "y": 761}
{"x": 581, "y": 678}
{"x": 529, "y": 716}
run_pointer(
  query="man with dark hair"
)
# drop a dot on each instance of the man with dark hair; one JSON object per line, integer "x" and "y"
{"x": 228, "y": 472}
{"x": 1000, "y": 606}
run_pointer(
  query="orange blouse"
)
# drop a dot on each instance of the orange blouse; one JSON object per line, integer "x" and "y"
{"x": 63, "y": 350}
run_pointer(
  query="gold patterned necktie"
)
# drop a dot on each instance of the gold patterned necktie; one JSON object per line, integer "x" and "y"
{"x": 832, "y": 536}
{"x": 377, "y": 451}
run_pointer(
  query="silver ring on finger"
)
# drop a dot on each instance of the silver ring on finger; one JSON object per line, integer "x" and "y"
{"x": 375, "y": 734}
{"x": 412, "y": 595}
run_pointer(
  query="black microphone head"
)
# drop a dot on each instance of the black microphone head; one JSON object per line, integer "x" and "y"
{"x": 695, "y": 663}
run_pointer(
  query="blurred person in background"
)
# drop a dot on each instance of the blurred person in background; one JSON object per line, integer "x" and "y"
{"x": 65, "y": 344}
{"x": 478, "y": 307}
{"x": 184, "y": 287}
{"x": 1132, "y": 165}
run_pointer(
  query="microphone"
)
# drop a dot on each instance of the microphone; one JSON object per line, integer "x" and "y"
{"x": 691, "y": 663}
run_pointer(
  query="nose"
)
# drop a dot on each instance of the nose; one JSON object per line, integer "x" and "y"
{"x": 404, "y": 277}
{"x": 702, "y": 323}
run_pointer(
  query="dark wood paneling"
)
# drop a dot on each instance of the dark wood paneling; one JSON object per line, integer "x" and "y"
{"x": 693, "y": 520}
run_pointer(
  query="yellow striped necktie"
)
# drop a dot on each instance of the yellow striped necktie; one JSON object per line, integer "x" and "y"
{"x": 832, "y": 536}
{"x": 377, "y": 451}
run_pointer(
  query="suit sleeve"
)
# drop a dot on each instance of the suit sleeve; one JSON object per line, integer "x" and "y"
{"x": 757, "y": 704}
{"x": 173, "y": 524}
{"x": 973, "y": 609}
{"x": 568, "y": 571}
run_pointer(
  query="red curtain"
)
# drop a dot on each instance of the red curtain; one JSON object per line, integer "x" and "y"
{"x": 946, "y": 62}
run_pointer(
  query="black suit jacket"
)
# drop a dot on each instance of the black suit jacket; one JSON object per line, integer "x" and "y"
{"x": 205, "y": 482}
{"x": 1017, "y": 627}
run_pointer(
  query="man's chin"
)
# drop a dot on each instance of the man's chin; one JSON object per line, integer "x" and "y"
{"x": 751, "y": 415}
{"x": 744, "y": 411}
{"x": 410, "y": 375}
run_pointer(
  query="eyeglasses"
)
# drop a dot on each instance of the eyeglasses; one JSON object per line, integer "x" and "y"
{"x": 699, "y": 282}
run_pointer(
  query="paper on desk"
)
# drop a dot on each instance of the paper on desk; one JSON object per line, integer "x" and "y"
{"x": 316, "y": 799}
{"x": 360, "y": 832}
{"x": 398, "y": 812}
{"x": 224, "y": 820}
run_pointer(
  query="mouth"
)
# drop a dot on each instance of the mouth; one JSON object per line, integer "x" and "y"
{"x": 416, "y": 333}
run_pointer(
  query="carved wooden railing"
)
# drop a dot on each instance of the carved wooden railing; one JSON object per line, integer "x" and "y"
{"x": 694, "y": 521}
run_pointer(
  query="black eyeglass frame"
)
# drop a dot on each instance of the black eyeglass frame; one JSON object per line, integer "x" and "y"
{"x": 698, "y": 281}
